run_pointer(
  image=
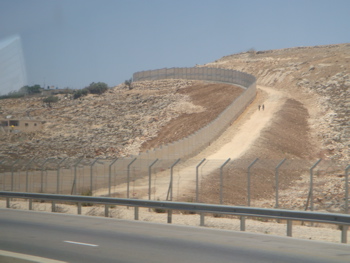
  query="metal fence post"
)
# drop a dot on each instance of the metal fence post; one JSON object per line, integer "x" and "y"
{"x": 12, "y": 174}
{"x": 347, "y": 189}
{"x": 197, "y": 179}
{"x": 170, "y": 190}
{"x": 276, "y": 180}
{"x": 42, "y": 176}
{"x": 128, "y": 178}
{"x": 91, "y": 174}
{"x": 222, "y": 179}
{"x": 248, "y": 181}
{"x": 58, "y": 175}
{"x": 310, "y": 196}
{"x": 74, "y": 186}
{"x": 27, "y": 176}
{"x": 109, "y": 177}
{"x": 150, "y": 178}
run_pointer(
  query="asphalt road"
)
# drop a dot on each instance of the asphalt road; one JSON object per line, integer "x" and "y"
{"x": 74, "y": 238}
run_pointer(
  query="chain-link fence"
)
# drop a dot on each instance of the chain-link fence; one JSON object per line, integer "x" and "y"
{"x": 292, "y": 184}
{"x": 199, "y": 140}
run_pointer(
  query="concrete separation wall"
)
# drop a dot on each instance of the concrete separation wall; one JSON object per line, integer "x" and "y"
{"x": 199, "y": 140}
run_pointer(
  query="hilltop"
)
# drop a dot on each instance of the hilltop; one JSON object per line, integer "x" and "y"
{"x": 317, "y": 83}
{"x": 313, "y": 121}
{"x": 118, "y": 123}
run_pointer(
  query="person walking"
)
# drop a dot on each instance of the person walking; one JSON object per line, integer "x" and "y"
{"x": 263, "y": 107}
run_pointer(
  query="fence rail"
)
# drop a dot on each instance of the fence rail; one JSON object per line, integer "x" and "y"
{"x": 289, "y": 215}
{"x": 319, "y": 184}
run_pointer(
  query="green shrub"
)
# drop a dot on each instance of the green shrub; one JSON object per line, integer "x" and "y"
{"x": 97, "y": 88}
{"x": 159, "y": 210}
{"x": 50, "y": 99}
{"x": 87, "y": 193}
{"x": 80, "y": 93}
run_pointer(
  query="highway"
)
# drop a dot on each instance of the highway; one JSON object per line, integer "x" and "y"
{"x": 73, "y": 238}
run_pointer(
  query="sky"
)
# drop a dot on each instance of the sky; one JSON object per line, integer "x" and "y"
{"x": 72, "y": 43}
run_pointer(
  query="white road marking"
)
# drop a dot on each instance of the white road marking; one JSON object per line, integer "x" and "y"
{"x": 79, "y": 243}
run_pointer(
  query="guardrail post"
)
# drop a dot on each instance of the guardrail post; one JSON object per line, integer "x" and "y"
{"x": 310, "y": 196}
{"x": 106, "y": 210}
{"x": 79, "y": 208}
{"x": 109, "y": 177}
{"x": 3, "y": 183}
{"x": 91, "y": 174}
{"x": 7, "y": 202}
{"x": 128, "y": 178}
{"x": 12, "y": 174}
{"x": 347, "y": 189}
{"x": 27, "y": 176}
{"x": 170, "y": 213}
{"x": 248, "y": 181}
{"x": 74, "y": 186}
{"x": 53, "y": 206}
{"x": 242, "y": 225}
{"x": 136, "y": 213}
{"x": 344, "y": 234}
{"x": 276, "y": 180}
{"x": 150, "y": 178}
{"x": 30, "y": 204}
{"x": 197, "y": 179}
{"x": 202, "y": 219}
{"x": 222, "y": 179}
{"x": 170, "y": 190}
{"x": 289, "y": 227}
{"x": 58, "y": 175}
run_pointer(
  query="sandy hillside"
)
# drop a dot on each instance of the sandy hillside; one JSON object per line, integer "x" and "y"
{"x": 306, "y": 117}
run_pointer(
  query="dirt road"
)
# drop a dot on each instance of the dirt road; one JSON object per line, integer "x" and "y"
{"x": 233, "y": 143}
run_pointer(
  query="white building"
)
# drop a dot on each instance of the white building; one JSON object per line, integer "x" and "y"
{"x": 12, "y": 67}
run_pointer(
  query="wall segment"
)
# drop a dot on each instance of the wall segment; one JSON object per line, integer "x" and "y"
{"x": 199, "y": 140}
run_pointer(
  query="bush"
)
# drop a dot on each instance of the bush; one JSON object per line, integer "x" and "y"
{"x": 80, "y": 93}
{"x": 86, "y": 193}
{"x": 50, "y": 99}
{"x": 97, "y": 88}
{"x": 128, "y": 83}
{"x": 12, "y": 95}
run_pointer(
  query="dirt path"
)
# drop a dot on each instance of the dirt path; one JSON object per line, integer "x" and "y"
{"x": 242, "y": 134}
{"x": 233, "y": 143}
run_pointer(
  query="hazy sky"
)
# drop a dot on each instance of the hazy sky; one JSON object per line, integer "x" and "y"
{"x": 71, "y": 43}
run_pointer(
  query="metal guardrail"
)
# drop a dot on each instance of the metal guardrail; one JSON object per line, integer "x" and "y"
{"x": 289, "y": 215}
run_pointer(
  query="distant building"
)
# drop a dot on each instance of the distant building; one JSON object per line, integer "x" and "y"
{"x": 20, "y": 125}
{"x": 12, "y": 67}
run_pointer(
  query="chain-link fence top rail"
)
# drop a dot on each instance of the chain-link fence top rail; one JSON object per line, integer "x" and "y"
{"x": 197, "y": 141}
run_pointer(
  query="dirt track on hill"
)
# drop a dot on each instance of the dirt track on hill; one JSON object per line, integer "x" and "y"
{"x": 279, "y": 131}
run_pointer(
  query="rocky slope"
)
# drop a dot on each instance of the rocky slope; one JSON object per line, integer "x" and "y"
{"x": 116, "y": 123}
{"x": 122, "y": 121}
{"x": 320, "y": 72}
